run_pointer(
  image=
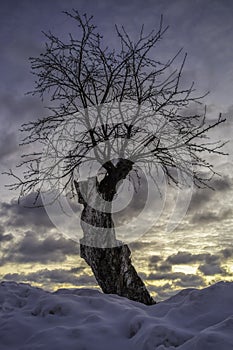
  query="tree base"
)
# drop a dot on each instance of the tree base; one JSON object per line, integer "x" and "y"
{"x": 115, "y": 273}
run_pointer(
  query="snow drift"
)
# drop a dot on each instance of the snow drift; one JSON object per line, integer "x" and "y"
{"x": 85, "y": 319}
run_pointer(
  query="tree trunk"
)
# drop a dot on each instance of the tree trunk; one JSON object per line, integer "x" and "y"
{"x": 115, "y": 273}
{"x": 108, "y": 258}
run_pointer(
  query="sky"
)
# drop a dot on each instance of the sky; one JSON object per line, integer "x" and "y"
{"x": 199, "y": 251}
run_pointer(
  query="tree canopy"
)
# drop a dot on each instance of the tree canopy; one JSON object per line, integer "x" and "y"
{"x": 110, "y": 104}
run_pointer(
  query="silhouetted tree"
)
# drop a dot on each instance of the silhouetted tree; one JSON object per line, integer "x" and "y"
{"x": 122, "y": 108}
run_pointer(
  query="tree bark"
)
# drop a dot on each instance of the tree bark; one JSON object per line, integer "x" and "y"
{"x": 115, "y": 273}
{"x": 108, "y": 258}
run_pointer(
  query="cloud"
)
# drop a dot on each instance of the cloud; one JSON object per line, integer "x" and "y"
{"x": 8, "y": 143}
{"x": 178, "y": 278}
{"x": 138, "y": 200}
{"x": 222, "y": 184}
{"x": 15, "y": 109}
{"x": 210, "y": 217}
{"x": 212, "y": 269}
{"x": 24, "y": 215}
{"x": 163, "y": 267}
{"x": 32, "y": 249}
{"x": 156, "y": 264}
{"x": 210, "y": 263}
{"x": 227, "y": 253}
{"x": 190, "y": 280}
{"x": 154, "y": 259}
{"x": 137, "y": 245}
{"x": 5, "y": 238}
{"x": 201, "y": 197}
{"x": 161, "y": 292}
{"x": 182, "y": 258}
{"x": 50, "y": 277}
{"x": 185, "y": 258}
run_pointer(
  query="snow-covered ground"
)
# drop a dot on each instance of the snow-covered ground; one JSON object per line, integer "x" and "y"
{"x": 85, "y": 319}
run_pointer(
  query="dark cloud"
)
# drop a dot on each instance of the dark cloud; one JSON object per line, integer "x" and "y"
{"x": 222, "y": 184}
{"x": 15, "y": 110}
{"x": 138, "y": 201}
{"x": 212, "y": 258}
{"x": 228, "y": 115}
{"x": 210, "y": 269}
{"x": 156, "y": 263}
{"x": 210, "y": 263}
{"x": 181, "y": 258}
{"x": 50, "y": 277}
{"x": 154, "y": 259}
{"x": 76, "y": 270}
{"x": 178, "y": 278}
{"x": 28, "y": 215}
{"x": 189, "y": 281}
{"x": 24, "y": 215}
{"x": 201, "y": 197}
{"x": 33, "y": 249}
{"x": 211, "y": 217}
{"x": 8, "y": 144}
{"x": 6, "y": 238}
{"x": 24, "y": 108}
{"x": 161, "y": 292}
{"x": 137, "y": 245}
{"x": 227, "y": 252}
{"x": 164, "y": 267}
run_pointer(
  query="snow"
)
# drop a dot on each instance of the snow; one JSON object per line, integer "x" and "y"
{"x": 85, "y": 319}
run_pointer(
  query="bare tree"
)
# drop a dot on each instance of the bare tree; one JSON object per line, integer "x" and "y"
{"x": 124, "y": 109}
